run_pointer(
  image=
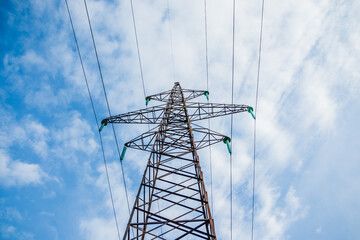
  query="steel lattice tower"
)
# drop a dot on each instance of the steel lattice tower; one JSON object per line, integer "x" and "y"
{"x": 172, "y": 202}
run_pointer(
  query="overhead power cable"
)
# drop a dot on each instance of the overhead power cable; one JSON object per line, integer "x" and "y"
{"x": 207, "y": 89}
{"x": 140, "y": 65}
{"x": 256, "y": 104}
{"x": 171, "y": 44}
{"x": 97, "y": 123}
{"x": 107, "y": 103}
{"x": 138, "y": 51}
{"x": 232, "y": 118}
{"x": 137, "y": 46}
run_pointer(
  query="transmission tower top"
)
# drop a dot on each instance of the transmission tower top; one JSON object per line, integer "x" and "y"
{"x": 172, "y": 201}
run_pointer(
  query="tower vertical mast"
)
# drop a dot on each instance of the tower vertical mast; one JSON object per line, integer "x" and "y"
{"x": 173, "y": 180}
{"x": 172, "y": 201}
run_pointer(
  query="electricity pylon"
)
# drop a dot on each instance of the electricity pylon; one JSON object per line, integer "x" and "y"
{"x": 172, "y": 202}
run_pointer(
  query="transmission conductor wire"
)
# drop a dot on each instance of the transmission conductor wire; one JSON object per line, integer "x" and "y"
{"x": 207, "y": 89}
{"x": 138, "y": 51}
{"x": 137, "y": 46}
{"x": 171, "y": 44}
{"x": 97, "y": 123}
{"x": 256, "y": 104}
{"x": 141, "y": 70}
{"x": 232, "y": 117}
{"x": 107, "y": 103}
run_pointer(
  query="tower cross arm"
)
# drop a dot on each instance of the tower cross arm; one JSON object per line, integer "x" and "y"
{"x": 189, "y": 94}
{"x": 200, "y": 111}
{"x": 151, "y": 115}
{"x": 176, "y": 137}
{"x": 197, "y": 111}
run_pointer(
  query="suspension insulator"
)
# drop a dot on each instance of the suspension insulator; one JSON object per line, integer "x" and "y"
{"x": 103, "y": 124}
{"x": 147, "y": 100}
{"x": 206, "y": 93}
{"x": 227, "y": 141}
{"x": 123, "y": 153}
{"x": 250, "y": 110}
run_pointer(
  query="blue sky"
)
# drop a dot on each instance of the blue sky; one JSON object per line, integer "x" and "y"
{"x": 52, "y": 178}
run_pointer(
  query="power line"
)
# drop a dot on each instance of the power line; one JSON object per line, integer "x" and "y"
{"x": 207, "y": 89}
{"x": 256, "y": 103}
{"x": 206, "y": 48}
{"x": 138, "y": 51}
{"x": 232, "y": 118}
{"x": 97, "y": 123}
{"x": 171, "y": 44}
{"x": 141, "y": 70}
{"x": 107, "y": 102}
{"x": 137, "y": 46}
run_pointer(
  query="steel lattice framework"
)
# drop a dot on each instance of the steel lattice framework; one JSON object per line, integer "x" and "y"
{"x": 172, "y": 202}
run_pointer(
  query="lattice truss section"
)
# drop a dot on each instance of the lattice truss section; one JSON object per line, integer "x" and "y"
{"x": 172, "y": 201}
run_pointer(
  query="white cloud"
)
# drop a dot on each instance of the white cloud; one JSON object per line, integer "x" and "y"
{"x": 304, "y": 56}
{"x": 32, "y": 59}
{"x": 11, "y": 232}
{"x": 18, "y": 134}
{"x": 290, "y": 34}
{"x": 17, "y": 173}
{"x": 98, "y": 228}
{"x": 45, "y": 99}
{"x": 272, "y": 217}
{"x": 10, "y": 214}
{"x": 101, "y": 224}
{"x": 7, "y": 231}
{"x": 24, "y": 131}
{"x": 75, "y": 135}
{"x": 38, "y": 137}
{"x": 189, "y": 58}
{"x": 320, "y": 106}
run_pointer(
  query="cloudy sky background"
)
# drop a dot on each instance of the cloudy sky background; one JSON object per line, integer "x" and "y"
{"x": 52, "y": 177}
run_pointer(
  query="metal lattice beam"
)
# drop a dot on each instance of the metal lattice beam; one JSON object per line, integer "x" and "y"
{"x": 196, "y": 112}
{"x": 173, "y": 178}
{"x": 176, "y": 138}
